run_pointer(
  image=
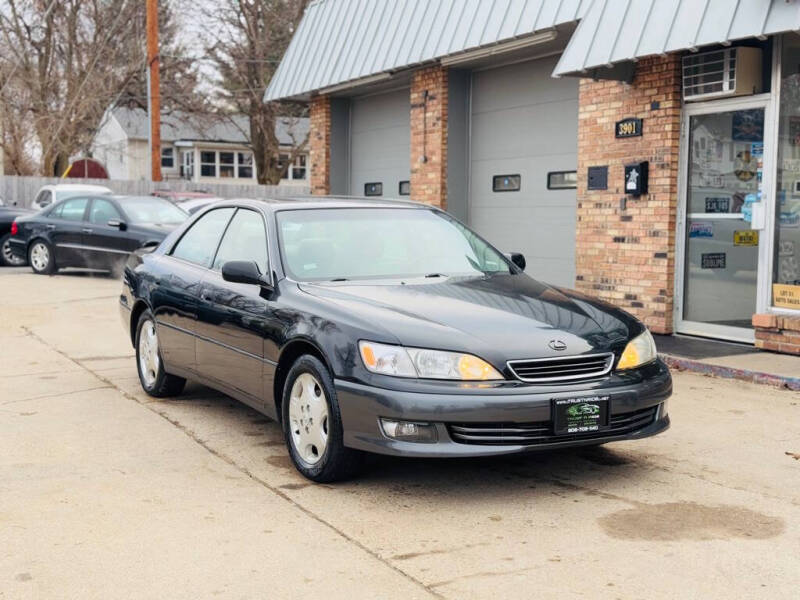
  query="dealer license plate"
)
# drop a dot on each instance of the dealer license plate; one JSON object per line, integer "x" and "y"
{"x": 587, "y": 414}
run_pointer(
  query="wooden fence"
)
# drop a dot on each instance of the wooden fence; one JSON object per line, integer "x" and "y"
{"x": 22, "y": 190}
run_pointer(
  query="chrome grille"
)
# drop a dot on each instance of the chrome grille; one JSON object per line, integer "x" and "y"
{"x": 584, "y": 366}
{"x": 541, "y": 432}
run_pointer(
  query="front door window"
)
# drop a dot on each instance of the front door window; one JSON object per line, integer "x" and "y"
{"x": 726, "y": 152}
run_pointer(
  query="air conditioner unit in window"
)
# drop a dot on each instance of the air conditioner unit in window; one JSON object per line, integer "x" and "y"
{"x": 722, "y": 73}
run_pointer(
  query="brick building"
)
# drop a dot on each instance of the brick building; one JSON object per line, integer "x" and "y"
{"x": 646, "y": 152}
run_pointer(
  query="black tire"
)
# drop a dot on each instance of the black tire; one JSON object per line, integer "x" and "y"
{"x": 337, "y": 462}
{"x": 6, "y": 258}
{"x": 44, "y": 266}
{"x": 157, "y": 382}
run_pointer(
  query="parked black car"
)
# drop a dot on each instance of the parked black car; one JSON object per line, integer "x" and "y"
{"x": 386, "y": 327}
{"x": 7, "y": 216}
{"x": 92, "y": 231}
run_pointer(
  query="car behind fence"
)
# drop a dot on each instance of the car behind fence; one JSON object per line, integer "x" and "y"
{"x": 22, "y": 190}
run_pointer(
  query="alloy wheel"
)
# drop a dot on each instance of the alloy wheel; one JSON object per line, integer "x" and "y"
{"x": 40, "y": 256}
{"x": 149, "y": 361}
{"x": 308, "y": 418}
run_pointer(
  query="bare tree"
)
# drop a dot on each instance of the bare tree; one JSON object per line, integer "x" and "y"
{"x": 246, "y": 41}
{"x": 66, "y": 62}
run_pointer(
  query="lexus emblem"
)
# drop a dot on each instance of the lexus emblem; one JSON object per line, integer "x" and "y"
{"x": 557, "y": 345}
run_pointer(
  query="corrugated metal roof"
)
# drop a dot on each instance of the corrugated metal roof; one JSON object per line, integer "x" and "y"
{"x": 339, "y": 41}
{"x": 614, "y": 31}
{"x": 180, "y": 125}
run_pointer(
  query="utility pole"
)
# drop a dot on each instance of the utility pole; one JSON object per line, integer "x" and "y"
{"x": 153, "y": 90}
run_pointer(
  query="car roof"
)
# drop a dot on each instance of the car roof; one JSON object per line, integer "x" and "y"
{"x": 188, "y": 194}
{"x": 77, "y": 187}
{"x": 312, "y": 202}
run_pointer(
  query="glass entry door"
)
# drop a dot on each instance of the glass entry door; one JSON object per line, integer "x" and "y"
{"x": 725, "y": 160}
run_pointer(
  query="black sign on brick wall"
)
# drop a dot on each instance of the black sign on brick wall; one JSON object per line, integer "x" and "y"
{"x": 630, "y": 127}
{"x": 598, "y": 178}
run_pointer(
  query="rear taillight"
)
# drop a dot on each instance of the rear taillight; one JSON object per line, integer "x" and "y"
{"x": 14, "y": 228}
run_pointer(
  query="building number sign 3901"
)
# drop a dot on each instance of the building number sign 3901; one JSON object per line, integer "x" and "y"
{"x": 628, "y": 128}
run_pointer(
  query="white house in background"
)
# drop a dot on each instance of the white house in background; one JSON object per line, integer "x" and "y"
{"x": 193, "y": 147}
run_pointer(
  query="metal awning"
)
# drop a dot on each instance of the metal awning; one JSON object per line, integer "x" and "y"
{"x": 348, "y": 42}
{"x": 619, "y": 31}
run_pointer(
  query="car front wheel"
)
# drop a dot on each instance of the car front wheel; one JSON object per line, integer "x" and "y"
{"x": 154, "y": 379}
{"x": 41, "y": 259}
{"x": 8, "y": 258}
{"x": 313, "y": 426}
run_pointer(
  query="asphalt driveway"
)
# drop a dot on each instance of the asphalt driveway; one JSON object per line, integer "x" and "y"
{"x": 107, "y": 493}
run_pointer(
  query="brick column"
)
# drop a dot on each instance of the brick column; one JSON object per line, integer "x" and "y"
{"x": 429, "y": 136}
{"x": 777, "y": 333}
{"x": 627, "y": 255}
{"x": 319, "y": 142}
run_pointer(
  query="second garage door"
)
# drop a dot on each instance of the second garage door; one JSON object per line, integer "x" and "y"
{"x": 525, "y": 123}
{"x": 380, "y": 142}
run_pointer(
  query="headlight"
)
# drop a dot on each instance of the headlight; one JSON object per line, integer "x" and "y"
{"x": 400, "y": 361}
{"x": 639, "y": 351}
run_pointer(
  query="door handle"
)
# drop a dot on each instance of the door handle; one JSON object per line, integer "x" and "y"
{"x": 87, "y": 230}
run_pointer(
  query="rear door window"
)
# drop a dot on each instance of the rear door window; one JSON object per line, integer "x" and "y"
{"x": 245, "y": 239}
{"x": 73, "y": 209}
{"x": 199, "y": 243}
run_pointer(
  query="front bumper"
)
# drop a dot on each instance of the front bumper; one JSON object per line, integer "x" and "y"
{"x": 362, "y": 406}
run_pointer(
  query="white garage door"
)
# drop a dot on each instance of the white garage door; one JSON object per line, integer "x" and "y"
{"x": 380, "y": 142}
{"x": 526, "y": 123}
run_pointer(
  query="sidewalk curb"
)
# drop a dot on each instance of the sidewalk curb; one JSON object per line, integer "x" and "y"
{"x": 695, "y": 366}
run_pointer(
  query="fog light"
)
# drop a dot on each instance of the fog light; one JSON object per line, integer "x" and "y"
{"x": 407, "y": 431}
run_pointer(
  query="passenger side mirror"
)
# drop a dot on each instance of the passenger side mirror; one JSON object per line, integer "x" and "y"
{"x": 518, "y": 259}
{"x": 121, "y": 225}
{"x": 244, "y": 271}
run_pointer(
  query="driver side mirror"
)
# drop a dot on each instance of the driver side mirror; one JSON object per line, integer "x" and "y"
{"x": 518, "y": 259}
{"x": 121, "y": 225}
{"x": 244, "y": 271}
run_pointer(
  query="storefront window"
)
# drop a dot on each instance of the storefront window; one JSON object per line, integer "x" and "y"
{"x": 786, "y": 269}
{"x": 725, "y": 173}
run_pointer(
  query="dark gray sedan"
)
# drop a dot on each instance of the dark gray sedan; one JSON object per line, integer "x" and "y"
{"x": 385, "y": 327}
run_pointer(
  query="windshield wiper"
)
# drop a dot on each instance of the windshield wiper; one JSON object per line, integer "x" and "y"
{"x": 340, "y": 279}
{"x": 435, "y": 275}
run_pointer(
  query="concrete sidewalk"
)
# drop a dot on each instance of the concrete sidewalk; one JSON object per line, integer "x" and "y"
{"x": 108, "y": 493}
{"x": 101, "y": 499}
{"x": 729, "y": 360}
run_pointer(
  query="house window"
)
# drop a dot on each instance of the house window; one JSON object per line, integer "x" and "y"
{"x": 299, "y": 167}
{"x": 208, "y": 164}
{"x": 167, "y": 158}
{"x": 297, "y": 170}
{"x": 245, "y": 166}
{"x": 283, "y": 159}
{"x": 226, "y": 164}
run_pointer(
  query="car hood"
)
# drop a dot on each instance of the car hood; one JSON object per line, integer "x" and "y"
{"x": 500, "y": 317}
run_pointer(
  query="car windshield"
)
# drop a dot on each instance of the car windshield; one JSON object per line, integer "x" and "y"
{"x": 149, "y": 209}
{"x": 375, "y": 243}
